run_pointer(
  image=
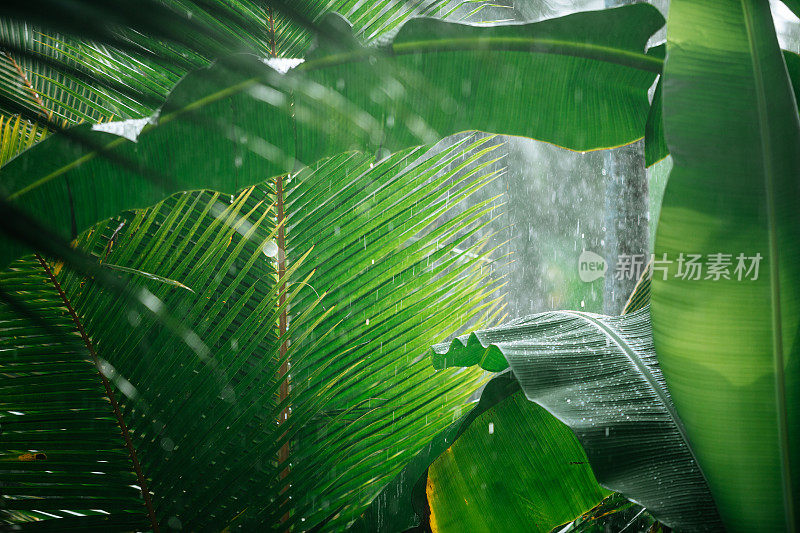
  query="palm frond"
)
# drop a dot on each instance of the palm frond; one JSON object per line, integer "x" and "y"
{"x": 53, "y": 405}
{"x": 395, "y": 256}
{"x": 201, "y": 407}
{"x": 16, "y": 135}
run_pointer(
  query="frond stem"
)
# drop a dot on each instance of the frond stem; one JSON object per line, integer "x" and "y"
{"x": 109, "y": 392}
{"x": 29, "y": 86}
{"x": 283, "y": 392}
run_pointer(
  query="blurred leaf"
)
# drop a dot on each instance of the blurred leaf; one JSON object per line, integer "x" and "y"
{"x": 104, "y": 61}
{"x": 586, "y": 91}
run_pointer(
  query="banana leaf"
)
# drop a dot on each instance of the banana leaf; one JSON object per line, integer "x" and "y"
{"x": 727, "y": 337}
{"x": 599, "y": 376}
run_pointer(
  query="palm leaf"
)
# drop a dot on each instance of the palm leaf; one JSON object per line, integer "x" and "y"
{"x": 16, "y": 135}
{"x": 390, "y": 278}
{"x": 58, "y": 427}
{"x": 200, "y": 407}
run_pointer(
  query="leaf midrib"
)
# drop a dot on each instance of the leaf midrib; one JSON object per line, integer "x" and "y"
{"x": 774, "y": 267}
{"x": 609, "y": 54}
{"x": 644, "y": 371}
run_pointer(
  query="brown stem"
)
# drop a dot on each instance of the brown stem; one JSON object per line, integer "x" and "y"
{"x": 29, "y": 86}
{"x": 109, "y": 392}
{"x": 283, "y": 391}
{"x": 272, "y": 34}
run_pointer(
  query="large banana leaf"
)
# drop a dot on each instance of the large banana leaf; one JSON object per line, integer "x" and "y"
{"x": 402, "y": 504}
{"x": 481, "y": 484}
{"x": 549, "y": 488}
{"x": 580, "y": 81}
{"x": 197, "y": 397}
{"x": 729, "y": 346}
{"x": 599, "y": 376}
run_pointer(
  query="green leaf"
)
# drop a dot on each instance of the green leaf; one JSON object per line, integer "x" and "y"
{"x": 198, "y": 372}
{"x": 403, "y": 502}
{"x": 793, "y": 68}
{"x": 614, "y": 513}
{"x": 729, "y": 348}
{"x": 583, "y": 79}
{"x": 390, "y": 279}
{"x": 655, "y": 146}
{"x": 57, "y": 426}
{"x": 515, "y": 468}
{"x": 17, "y": 135}
{"x": 599, "y": 376}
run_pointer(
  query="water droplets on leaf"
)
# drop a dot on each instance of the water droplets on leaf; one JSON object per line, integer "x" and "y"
{"x": 270, "y": 249}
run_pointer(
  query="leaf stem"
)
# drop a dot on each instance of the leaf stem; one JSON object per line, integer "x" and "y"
{"x": 36, "y": 97}
{"x": 109, "y": 392}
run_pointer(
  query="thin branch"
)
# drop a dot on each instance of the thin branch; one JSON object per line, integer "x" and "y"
{"x": 109, "y": 392}
{"x": 29, "y": 86}
{"x": 283, "y": 392}
{"x": 272, "y": 34}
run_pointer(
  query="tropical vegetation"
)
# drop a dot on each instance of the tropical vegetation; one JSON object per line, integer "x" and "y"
{"x": 247, "y": 285}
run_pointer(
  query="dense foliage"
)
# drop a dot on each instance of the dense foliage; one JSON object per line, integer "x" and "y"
{"x": 230, "y": 241}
